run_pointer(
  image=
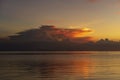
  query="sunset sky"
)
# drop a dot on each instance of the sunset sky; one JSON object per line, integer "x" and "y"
{"x": 101, "y": 16}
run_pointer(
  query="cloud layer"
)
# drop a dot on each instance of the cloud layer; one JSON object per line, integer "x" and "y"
{"x": 52, "y": 33}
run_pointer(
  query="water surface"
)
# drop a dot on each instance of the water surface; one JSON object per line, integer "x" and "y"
{"x": 61, "y": 66}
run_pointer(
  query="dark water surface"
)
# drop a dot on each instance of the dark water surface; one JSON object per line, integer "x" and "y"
{"x": 62, "y": 66}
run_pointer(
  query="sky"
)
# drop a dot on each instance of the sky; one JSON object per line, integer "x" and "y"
{"x": 101, "y": 16}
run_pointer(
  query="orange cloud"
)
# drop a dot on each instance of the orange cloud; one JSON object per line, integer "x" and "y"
{"x": 81, "y": 32}
{"x": 66, "y": 32}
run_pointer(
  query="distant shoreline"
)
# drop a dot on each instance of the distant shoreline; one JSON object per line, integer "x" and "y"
{"x": 48, "y": 52}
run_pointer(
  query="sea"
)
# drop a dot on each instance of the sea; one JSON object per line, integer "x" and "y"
{"x": 60, "y": 65}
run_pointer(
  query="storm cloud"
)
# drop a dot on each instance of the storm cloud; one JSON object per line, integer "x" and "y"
{"x": 52, "y": 33}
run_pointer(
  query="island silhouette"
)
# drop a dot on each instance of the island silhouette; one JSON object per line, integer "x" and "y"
{"x": 51, "y": 38}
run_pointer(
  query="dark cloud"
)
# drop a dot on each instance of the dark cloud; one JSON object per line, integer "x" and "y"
{"x": 52, "y": 33}
{"x": 83, "y": 39}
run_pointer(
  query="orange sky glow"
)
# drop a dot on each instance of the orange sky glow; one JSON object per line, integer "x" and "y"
{"x": 102, "y": 16}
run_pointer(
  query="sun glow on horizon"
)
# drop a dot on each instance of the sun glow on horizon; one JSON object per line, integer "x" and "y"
{"x": 86, "y": 29}
{"x": 81, "y": 32}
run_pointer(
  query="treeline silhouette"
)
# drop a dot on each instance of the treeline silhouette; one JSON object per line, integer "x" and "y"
{"x": 50, "y": 38}
{"x": 101, "y": 45}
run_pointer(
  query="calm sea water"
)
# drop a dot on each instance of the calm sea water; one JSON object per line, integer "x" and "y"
{"x": 61, "y": 66}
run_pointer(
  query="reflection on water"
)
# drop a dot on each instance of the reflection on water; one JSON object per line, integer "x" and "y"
{"x": 94, "y": 66}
